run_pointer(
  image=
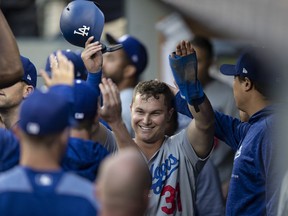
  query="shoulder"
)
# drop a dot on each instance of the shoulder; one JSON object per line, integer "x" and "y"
{"x": 14, "y": 179}
{"x": 67, "y": 185}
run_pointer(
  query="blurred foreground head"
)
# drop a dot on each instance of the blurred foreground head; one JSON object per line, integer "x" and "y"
{"x": 123, "y": 184}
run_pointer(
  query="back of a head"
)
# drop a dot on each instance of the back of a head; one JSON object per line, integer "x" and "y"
{"x": 123, "y": 183}
{"x": 44, "y": 114}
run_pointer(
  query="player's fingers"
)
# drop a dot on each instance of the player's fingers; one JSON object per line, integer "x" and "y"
{"x": 104, "y": 92}
{"x": 178, "y": 50}
{"x": 89, "y": 40}
{"x": 183, "y": 48}
{"x": 91, "y": 51}
{"x": 53, "y": 62}
{"x": 189, "y": 47}
{"x": 114, "y": 92}
{"x": 62, "y": 61}
{"x": 46, "y": 78}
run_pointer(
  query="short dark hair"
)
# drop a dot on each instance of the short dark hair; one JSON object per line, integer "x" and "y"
{"x": 204, "y": 43}
{"x": 154, "y": 88}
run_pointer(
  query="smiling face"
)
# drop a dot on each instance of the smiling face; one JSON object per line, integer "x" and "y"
{"x": 149, "y": 118}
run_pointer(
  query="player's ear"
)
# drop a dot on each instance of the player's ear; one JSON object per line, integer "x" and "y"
{"x": 28, "y": 89}
{"x": 129, "y": 71}
{"x": 248, "y": 85}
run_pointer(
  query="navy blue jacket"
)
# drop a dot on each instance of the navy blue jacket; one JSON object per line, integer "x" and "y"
{"x": 255, "y": 180}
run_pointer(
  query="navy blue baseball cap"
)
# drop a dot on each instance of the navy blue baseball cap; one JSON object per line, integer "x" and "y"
{"x": 38, "y": 117}
{"x": 85, "y": 100}
{"x": 30, "y": 72}
{"x": 254, "y": 63}
{"x": 80, "y": 71}
{"x": 81, "y": 19}
{"x": 135, "y": 50}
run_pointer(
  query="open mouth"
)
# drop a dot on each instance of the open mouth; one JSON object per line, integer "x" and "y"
{"x": 145, "y": 128}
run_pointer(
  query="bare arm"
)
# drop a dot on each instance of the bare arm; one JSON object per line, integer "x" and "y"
{"x": 201, "y": 128}
{"x": 11, "y": 69}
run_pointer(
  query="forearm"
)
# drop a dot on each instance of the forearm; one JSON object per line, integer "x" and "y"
{"x": 201, "y": 128}
{"x": 204, "y": 119}
{"x": 10, "y": 63}
{"x": 122, "y": 135}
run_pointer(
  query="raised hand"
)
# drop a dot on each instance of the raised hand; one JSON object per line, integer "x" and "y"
{"x": 111, "y": 108}
{"x": 62, "y": 71}
{"x": 92, "y": 55}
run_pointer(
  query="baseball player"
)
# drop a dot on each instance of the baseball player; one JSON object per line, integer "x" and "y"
{"x": 12, "y": 96}
{"x": 256, "y": 176}
{"x": 174, "y": 162}
{"x": 39, "y": 186}
{"x": 83, "y": 156}
{"x": 125, "y": 67}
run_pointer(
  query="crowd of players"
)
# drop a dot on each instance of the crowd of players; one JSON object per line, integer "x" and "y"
{"x": 98, "y": 141}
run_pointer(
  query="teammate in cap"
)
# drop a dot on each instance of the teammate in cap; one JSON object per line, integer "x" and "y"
{"x": 125, "y": 67}
{"x": 12, "y": 96}
{"x": 256, "y": 176}
{"x": 38, "y": 186}
{"x": 84, "y": 156}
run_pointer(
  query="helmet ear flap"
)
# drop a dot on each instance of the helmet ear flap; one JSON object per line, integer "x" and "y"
{"x": 80, "y": 20}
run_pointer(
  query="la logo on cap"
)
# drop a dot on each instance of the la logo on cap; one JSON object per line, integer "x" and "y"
{"x": 245, "y": 71}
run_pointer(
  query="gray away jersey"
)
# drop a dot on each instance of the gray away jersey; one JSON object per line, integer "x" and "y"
{"x": 174, "y": 168}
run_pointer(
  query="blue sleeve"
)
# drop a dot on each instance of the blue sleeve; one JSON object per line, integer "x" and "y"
{"x": 94, "y": 79}
{"x": 270, "y": 160}
{"x": 228, "y": 129}
{"x": 9, "y": 150}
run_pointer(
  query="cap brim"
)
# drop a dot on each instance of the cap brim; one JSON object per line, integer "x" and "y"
{"x": 110, "y": 39}
{"x": 228, "y": 69}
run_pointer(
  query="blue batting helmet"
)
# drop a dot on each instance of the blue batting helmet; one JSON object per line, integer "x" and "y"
{"x": 81, "y": 19}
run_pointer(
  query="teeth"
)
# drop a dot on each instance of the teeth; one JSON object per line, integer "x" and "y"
{"x": 145, "y": 128}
